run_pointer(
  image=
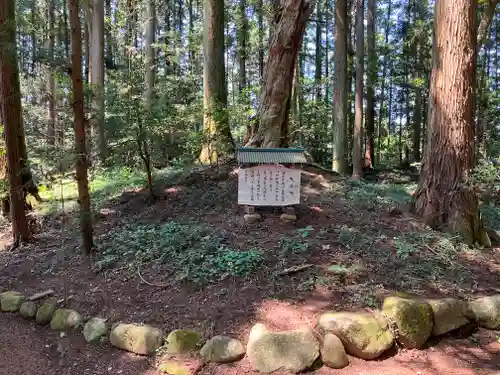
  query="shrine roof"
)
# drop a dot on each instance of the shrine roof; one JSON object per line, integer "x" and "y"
{"x": 247, "y": 155}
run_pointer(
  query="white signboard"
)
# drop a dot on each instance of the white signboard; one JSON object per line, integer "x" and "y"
{"x": 269, "y": 185}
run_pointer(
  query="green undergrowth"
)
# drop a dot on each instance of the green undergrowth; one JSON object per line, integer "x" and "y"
{"x": 104, "y": 184}
{"x": 194, "y": 253}
{"x": 373, "y": 196}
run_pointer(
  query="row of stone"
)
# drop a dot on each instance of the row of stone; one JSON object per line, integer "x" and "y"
{"x": 409, "y": 320}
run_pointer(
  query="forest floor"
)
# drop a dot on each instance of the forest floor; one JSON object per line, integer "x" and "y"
{"x": 189, "y": 260}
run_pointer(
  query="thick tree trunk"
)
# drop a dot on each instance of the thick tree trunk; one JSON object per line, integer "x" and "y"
{"x": 260, "y": 25}
{"x": 318, "y": 55}
{"x": 443, "y": 198}
{"x": 339, "y": 162}
{"x": 242, "y": 37}
{"x": 10, "y": 101}
{"x": 97, "y": 74}
{"x": 357, "y": 146}
{"x": 79, "y": 125}
{"x": 219, "y": 142}
{"x": 290, "y": 23}
{"x": 371, "y": 79}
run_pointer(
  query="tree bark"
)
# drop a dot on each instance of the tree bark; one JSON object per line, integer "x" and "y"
{"x": 219, "y": 142}
{"x": 443, "y": 198}
{"x": 97, "y": 74}
{"x": 318, "y": 55}
{"x": 484, "y": 25}
{"x": 79, "y": 125}
{"x": 371, "y": 79}
{"x": 357, "y": 147}
{"x": 339, "y": 162}
{"x": 10, "y": 101}
{"x": 242, "y": 36}
{"x": 51, "y": 97}
{"x": 260, "y": 25}
{"x": 290, "y": 23}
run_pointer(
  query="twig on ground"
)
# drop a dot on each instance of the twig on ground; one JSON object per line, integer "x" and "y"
{"x": 147, "y": 282}
{"x": 37, "y": 296}
{"x": 294, "y": 269}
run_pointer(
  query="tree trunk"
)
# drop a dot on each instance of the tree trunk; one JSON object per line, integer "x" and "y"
{"x": 86, "y": 42}
{"x": 218, "y": 142}
{"x": 443, "y": 198}
{"x": 318, "y": 55}
{"x": 51, "y": 97}
{"x": 97, "y": 74}
{"x": 260, "y": 25}
{"x": 357, "y": 147}
{"x": 487, "y": 17}
{"x": 242, "y": 36}
{"x": 79, "y": 125}
{"x": 339, "y": 162}
{"x": 109, "y": 36}
{"x": 371, "y": 78}
{"x": 290, "y": 23}
{"x": 150, "y": 81}
{"x": 10, "y": 101}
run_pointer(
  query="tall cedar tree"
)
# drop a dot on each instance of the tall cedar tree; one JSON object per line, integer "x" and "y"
{"x": 371, "y": 77}
{"x": 289, "y": 23}
{"x": 79, "y": 125}
{"x": 219, "y": 142}
{"x": 357, "y": 142}
{"x": 10, "y": 101}
{"x": 339, "y": 162}
{"x": 443, "y": 198}
{"x": 51, "y": 95}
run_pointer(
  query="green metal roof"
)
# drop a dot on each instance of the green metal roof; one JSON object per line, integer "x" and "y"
{"x": 246, "y": 155}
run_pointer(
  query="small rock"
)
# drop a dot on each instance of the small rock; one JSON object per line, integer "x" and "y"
{"x": 184, "y": 366}
{"x": 288, "y": 217}
{"x": 292, "y": 351}
{"x": 64, "y": 319}
{"x": 28, "y": 310}
{"x": 222, "y": 349}
{"x": 46, "y": 312}
{"x": 413, "y": 317}
{"x": 364, "y": 335}
{"x": 182, "y": 341}
{"x": 485, "y": 311}
{"x": 139, "y": 339}
{"x": 252, "y": 218}
{"x": 94, "y": 329}
{"x": 333, "y": 353}
{"x": 11, "y": 301}
{"x": 448, "y": 315}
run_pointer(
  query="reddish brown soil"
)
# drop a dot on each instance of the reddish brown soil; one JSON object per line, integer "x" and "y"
{"x": 233, "y": 305}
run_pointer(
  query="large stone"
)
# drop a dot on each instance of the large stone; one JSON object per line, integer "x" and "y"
{"x": 28, "y": 310}
{"x": 222, "y": 349}
{"x": 65, "y": 319}
{"x": 413, "y": 318}
{"x": 46, "y": 312}
{"x": 333, "y": 352}
{"x": 364, "y": 335}
{"x": 94, "y": 329}
{"x": 485, "y": 311}
{"x": 292, "y": 351}
{"x": 11, "y": 301}
{"x": 449, "y": 314}
{"x": 182, "y": 341}
{"x": 139, "y": 339}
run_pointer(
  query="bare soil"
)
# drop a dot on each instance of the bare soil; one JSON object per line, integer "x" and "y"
{"x": 344, "y": 229}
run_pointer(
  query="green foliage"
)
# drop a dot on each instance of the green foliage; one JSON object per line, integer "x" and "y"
{"x": 376, "y": 195}
{"x": 486, "y": 172}
{"x": 192, "y": 252}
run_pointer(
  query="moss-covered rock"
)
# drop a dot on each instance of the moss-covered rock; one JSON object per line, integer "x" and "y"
{"x": 449, "y": 314}
{"x": 11, "y": 301}
{"x": 46, "y": 312}
{"x": 139, "y": 339}
{"x": 28, "y": 310}
{"x": 485, "y": 311}
{"x": 65, "y": 319}
{"x": 222, "y": 349}
{"x": 413, "y": 318}
{"x": 182, "y": 341}
{"x": 292, "y": 351}
{"x": 94, "y": 329}
{"x": 333, "y": 352}
{"x": 364, "y": 335}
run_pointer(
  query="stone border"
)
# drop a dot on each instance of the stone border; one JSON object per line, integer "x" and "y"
{"x": 404, "y": 319}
